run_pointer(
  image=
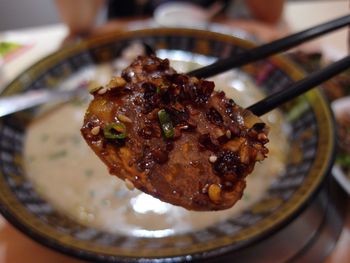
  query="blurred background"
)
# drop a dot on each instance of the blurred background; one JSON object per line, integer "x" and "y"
{"x": 33, "y": 29}
{"x": 21, "y": 14}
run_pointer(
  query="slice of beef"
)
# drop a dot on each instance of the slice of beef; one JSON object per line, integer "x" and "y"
{"x": 174, "y": 137}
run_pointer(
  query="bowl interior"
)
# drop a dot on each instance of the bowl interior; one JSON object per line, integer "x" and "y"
{"x": 310, "y": 136}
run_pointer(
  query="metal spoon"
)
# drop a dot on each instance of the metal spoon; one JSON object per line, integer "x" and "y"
{"x": 15, "y": 103}
{"x": 33, "y": 98}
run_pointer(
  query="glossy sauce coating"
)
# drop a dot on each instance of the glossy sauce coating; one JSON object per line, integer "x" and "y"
{"x": 173, "y": 136}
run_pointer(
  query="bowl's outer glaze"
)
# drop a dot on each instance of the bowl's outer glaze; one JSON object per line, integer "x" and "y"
{"x": 311, "y": 156}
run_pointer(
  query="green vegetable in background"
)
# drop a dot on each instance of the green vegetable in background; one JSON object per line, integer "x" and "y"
{"x": 344, "y": 160}
{"x": 7, "y": 47}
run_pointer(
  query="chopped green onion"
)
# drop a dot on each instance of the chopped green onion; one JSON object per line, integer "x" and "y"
{"x": 58, "y": 154}
{"x": 88, "y": 172}
{"x": 246, "y": 197}
{"x": 161, "y": 88}
{"x": 114, "y": 131}
{"x": 44, "y": 137}
{"x": 78, "y": 102}
{"x": 166, "y": 124}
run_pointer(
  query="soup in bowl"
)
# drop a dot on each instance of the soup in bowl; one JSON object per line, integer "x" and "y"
{"x": 57, "y": 191}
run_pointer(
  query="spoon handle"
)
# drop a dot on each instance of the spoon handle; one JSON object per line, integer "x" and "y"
{"x": 33, "y": 98}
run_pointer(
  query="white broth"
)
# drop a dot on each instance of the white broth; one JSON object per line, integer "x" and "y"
{"x": 66, "y": 172}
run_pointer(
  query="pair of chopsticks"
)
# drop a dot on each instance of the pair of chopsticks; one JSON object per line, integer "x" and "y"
{"x": 264, "y": 51}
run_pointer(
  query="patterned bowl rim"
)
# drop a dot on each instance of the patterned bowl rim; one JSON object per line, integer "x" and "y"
{"x": 15, "y": 213}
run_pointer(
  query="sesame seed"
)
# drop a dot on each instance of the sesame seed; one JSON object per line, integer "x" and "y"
{"x": 129, "y": 184}
{"x": 98, "y": 144}
{"x": 95, "y": 130}
{"x": 116, "y": 82}
{"x": 124, "y": 118}
{"x": 228, "y": 134}
{"x": 194, "y": 80}
{"x": 102, "y": 91}
{"x": 214, "y": 193}
{"x": 205, "y": 189}
{"x": 213, "y": 158}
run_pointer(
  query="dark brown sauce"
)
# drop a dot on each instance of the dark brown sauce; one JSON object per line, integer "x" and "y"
{"x": 178, "y": 120}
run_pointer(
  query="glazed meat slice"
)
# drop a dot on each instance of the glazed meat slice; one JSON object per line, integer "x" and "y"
{"x": 172, "y": 136}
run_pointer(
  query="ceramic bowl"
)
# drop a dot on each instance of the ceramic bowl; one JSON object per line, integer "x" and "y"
{"x": 309, "y": 159}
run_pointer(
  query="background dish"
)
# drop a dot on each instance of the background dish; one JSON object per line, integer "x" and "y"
{"x": 339, "y": 107}
{"x": 309, "y": 159}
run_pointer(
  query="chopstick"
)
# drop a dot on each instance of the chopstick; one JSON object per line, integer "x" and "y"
{"x": 273, "y": 101}
{"x": 271, "y": 48}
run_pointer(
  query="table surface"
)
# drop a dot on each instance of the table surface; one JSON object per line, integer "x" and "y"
{"x": 44, "y": 40}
